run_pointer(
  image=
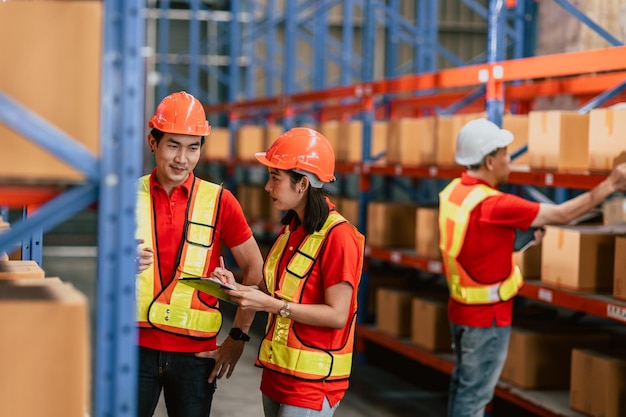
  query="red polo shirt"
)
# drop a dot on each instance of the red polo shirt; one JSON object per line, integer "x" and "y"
{"x": 232, "y": 229}
{"x": 487, "y": 250}
{"x": 338, "y": 262}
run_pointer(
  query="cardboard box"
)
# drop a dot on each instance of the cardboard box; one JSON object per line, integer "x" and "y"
{"x": 391, "y": 224}
{"x": 579, "y": 258}
{"x": 250, "y": 140}
{"x": 558, "y": 140}
{"x": 45, "y": 356}
{"x": 518, "y": 125}
{"x": 607, "y": 137}
{"x": 349, "y": 208}
{"x": 217, "y": 144}
{"x": 63, "y": 40}
{"x": 10, "y": 269}
{"x": 614, "y": 211}
{"x": 448, "y": 128}
{"x": 387, "y": 278}
{"x": 540, "y": 358}
{"x": 272, "y": 132}
{"x": 393, "y": 311}
{"x": 430, "y": 328}
{"x": 529, "y": 262}
{"x": 598, "y": 383}
{"x": 330, "y": 130}
{"x": 427, "y": 232}
{"x": 349, "y": 146}
{"x": 619, "y": 271}
{"x": 412, "y": 141}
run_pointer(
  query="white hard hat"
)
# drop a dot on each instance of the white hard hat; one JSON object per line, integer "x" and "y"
{"x": 477, "y": 139}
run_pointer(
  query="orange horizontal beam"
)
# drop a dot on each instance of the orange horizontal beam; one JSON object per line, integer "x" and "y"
{"x": 14, "y": 197}
{"x": 560, "y": 65}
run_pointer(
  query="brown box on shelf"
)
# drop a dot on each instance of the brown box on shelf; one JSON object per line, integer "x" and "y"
{"x": 217, "y": 144}
{"x": 598, "y": 383}
{"x": 272, "y": 131}
{"x": 607, "y": 137}
{"x": 45, "y": 361}
{"x": 11, "y": 269}
{"x": 448, "y": 128}
{"x": 579, "y": 258}
{"x": 393, "y": 311}
{"x": 614, "y": 211}
{"x": 427, "y": 232}
{"x": 349, "y": 147}
{"x": 250, "y": 140}
{"x": 411, "y": 141}
{"x": 529, "y": 262}
{"x": 330, "y": 130}
{"x": 619, "y": 271}
{"x": 430, "y": 328}
{"x": 558, "y": 140}
{"x": 349, "y": 208}
{"x": 383, "y": 279}
{"x": 254, "y": 201}
{"x": 64, "y": 40}
{"x": 391, "y": 224}
{"x": 518, "y": 125}
{"x": 540, "y": 358}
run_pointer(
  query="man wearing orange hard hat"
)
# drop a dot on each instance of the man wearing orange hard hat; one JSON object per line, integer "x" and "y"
{"x": 181, "y": 223}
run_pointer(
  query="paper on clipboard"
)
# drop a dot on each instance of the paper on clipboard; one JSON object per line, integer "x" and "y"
{"x": 209, "y": 286}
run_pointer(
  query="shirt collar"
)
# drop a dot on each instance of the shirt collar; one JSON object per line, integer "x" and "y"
{"x": 470, "y": 180}
{"x": 185, "y": 187}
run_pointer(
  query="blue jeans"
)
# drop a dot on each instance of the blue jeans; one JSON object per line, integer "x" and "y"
{"x": 480, "y": 355}
{"x": 183, "y": 378}
{"x": 273, "y": 408}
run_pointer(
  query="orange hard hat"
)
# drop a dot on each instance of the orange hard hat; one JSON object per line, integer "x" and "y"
{"x": 182, "y": 114}
{"x": 302, "y": 150}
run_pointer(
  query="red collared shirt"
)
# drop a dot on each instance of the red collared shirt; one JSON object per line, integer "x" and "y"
{"x": 232, "y": 230}
{"x": 338, "y": 262}
{"x": 487, "y": 250}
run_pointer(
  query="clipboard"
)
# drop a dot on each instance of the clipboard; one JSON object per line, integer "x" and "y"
{"x": 209, "y": 286}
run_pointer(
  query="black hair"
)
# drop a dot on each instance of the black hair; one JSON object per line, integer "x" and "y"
{"x": 158, "y": 135}
{"x": 474, "y": 167}
{"x": 316, "y": 211}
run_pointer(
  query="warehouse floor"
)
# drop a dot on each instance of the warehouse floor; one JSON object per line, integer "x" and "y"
{"x": 373, "y": 392}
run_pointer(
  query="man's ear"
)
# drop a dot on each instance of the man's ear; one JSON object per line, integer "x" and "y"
{"x": 152, "y": 143}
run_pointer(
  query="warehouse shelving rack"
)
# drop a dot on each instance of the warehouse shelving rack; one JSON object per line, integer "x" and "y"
{"x": 594, "y": 77}
{"x": 110, "y": 182}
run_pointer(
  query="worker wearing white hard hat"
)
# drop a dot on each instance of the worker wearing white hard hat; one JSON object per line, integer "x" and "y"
{"x": 477, "y": 225}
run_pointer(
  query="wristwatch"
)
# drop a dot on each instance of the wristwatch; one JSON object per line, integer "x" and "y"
{"x": 285, "y": 311}
{"x": 237, "y": 334}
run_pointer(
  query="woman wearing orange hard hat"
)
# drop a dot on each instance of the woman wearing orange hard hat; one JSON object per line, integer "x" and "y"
{"x": 311, "y": 277}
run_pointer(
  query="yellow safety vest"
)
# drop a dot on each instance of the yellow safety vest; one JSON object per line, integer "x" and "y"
{"x": 177, "y": 308}
{"x": 281, "y": 350}
{"x": 456, "y": 203}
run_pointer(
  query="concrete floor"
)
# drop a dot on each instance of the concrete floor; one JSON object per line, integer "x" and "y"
{"x": 373, "y": 392}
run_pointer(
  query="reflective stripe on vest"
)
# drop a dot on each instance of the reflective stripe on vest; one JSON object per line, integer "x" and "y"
{"x": 281, "y": 350}
{"x": 456, "y": 203}
{"x": 177, "y": 308}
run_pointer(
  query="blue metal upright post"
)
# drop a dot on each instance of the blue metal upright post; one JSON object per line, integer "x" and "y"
{"x": 122, "y": 131}
{"x": 495, "y": 53}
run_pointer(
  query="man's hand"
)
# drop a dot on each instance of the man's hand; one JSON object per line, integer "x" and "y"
{"x": 226, "y": 357}
{"x": 144, "y": 256}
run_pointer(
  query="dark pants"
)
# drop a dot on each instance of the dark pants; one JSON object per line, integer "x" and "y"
{"x": 183, "y": 378}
